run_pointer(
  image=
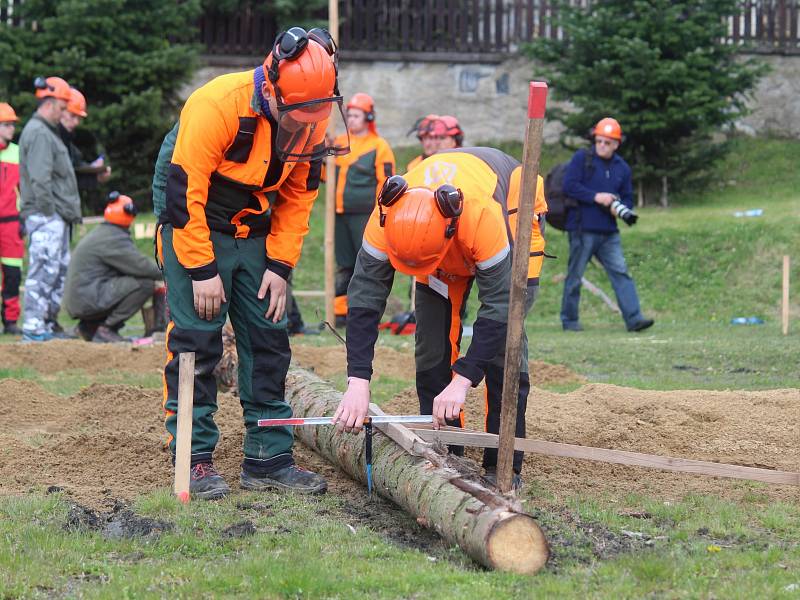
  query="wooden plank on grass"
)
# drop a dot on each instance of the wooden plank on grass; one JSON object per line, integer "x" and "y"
{"x": 620, "y": 457}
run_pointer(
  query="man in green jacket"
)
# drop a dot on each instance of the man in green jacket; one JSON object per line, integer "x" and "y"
{"x": 50, "y": 205}
{"x": 109, "y": 280}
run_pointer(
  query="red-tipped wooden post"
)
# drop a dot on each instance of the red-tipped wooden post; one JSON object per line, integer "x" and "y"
{"x": 330, "y": 194}
{"x": 537, "y": 100}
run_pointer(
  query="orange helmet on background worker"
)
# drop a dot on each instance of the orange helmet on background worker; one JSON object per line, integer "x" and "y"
{"x": 420, "y": 224}
{"x": 609, "y": 128}
{"x": 77, "y": 103}
{"x": 447, "y": 130}
{"x": 120, "y": 210}
{"x": 302, "y": 83}
{"x": 7, "y": 114}
{"x": 366, "y": 104}
{"x": 52, "y": 87}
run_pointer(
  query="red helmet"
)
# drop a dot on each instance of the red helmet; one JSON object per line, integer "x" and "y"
{"x": 364, "y": 102}
{"x": 120, "y": 210}
{"x": 447, "y": 125}
{"x": 423, "y": 126}
{"x": 77, "y": 103}
{"x": 420, "y": 224}
{"x": 609, "y": 128}
{"x": 52, "y": 87}
{"x": 7, "y": 113}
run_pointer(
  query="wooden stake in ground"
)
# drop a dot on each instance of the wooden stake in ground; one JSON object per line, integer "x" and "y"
{"x": 785, "y": 302}
{"x": 330, "y": 194}
{"x": 183, "y": 436}
{"x": 537, "y": 100}
{"x": 443, "y": 492}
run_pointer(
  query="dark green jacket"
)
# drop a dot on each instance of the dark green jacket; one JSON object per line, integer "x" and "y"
{"x": 103, "y": 270}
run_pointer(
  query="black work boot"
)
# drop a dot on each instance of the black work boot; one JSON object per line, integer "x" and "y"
{"x": 11, "y": 328}
{"x": 86, "y": 329}
{"x": 205, "y": 483}
{"x": 491, "y": 477}
{"x": 106, "y": 335}
{"x": 292, "y": 479}
{"x": 641, "y": 325}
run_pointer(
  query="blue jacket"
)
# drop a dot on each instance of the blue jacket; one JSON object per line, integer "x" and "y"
{"x": 612, "y": 176}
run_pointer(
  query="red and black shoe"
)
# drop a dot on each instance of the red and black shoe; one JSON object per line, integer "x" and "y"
{"x": 206, "y": 483}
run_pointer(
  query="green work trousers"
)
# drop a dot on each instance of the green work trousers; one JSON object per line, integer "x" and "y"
{"x": 262, "y": 347}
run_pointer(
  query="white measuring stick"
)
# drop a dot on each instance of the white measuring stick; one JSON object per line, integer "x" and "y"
{"x": 329, "y": 420}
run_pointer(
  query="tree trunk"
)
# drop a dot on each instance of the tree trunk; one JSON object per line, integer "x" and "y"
{"x": 443, "y": 492}
{"x": 664, "y": 192}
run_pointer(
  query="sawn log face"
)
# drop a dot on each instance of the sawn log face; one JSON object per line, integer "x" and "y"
{"x": 489, "y": 527}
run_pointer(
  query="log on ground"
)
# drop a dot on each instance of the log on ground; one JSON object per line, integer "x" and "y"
{"x": 440, "y": 490}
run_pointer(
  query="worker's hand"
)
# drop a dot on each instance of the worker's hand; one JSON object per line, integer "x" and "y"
{"x": 353, "y": 408}
{"x": 604, "y": 198}
{"x": 449, "y": 403}
{"x": 276, "y": 286}
{"x": 209, "y": 295}
{"x": 104, "y": 176}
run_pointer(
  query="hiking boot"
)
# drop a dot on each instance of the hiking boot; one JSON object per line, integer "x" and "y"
{"x": 205, "y": 483}
{"x": 86, "y": 329}
{"x": 11, "y": 328}
{"x": 491, "y": 477}
{"x": 641, "y": 325}
{"x": 572, "y": 327}
{"x": 45, "y": 336}
{"x": 294, "y": 479}
{"x": 106, "y": 335}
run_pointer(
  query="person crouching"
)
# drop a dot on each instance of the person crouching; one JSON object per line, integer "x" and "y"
{"x": 109, "y": 279}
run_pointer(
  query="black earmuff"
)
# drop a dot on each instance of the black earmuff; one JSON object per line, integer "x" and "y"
{"x": 112, "y": 197}
{"x": 369, "y": 116}
{"x": 40, "y": 83}
{"x": 450, "y": 202}
{"x": 394, "y": 187}
{"x": 291, "y": 43}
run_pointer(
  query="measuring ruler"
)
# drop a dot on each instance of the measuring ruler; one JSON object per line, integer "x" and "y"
{"x": 377, "y": 419}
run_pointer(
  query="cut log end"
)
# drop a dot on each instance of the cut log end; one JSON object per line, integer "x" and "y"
{"x": 517, "y": 544}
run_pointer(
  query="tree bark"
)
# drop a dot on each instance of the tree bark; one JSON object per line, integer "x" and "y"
{"x": 443, "y": 492}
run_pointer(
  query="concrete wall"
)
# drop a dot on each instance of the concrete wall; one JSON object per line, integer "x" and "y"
{"x": 490, "y": 99}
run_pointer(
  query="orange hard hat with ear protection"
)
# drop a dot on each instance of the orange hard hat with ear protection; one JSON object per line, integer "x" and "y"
{"x": 52, "y": 87}
{"x": 420, "y": 224}
{"x": 120, "y": 210}
{"x": 364, "y": 102}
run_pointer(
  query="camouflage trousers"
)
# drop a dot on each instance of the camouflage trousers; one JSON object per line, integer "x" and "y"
{"x": 48, "y": 258}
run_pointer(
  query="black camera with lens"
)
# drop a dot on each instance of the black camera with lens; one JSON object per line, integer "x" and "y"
{"x": 619, "y": 210}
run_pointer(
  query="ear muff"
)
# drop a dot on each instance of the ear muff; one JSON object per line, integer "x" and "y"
{"x": 369, "y": 116}
{"x": 129, "y": 208}
{"x": 291, "y": 43}
{"x": 393, "y": 188}
{"x": 450, "y": 202}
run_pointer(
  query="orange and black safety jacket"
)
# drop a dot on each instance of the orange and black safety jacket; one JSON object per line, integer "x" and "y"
{"x": 361, "y": 173}
{"x": 224, "y": 176}
{"x": 490, "y": 181}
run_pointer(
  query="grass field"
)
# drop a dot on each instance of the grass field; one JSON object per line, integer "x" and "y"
{"x": 696, "y": 266}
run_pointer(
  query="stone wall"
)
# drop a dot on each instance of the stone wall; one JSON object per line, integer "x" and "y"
{"x": 490, "y": 99}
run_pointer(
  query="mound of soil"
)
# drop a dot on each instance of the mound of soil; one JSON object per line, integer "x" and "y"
{"x": 65, "y": 355}
{"x": 757, "y": 429}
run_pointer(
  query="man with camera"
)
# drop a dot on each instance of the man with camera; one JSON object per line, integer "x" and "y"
{"x": 599, "y": 181}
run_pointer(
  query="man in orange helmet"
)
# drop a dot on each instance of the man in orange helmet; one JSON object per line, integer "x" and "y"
{"x": 12, "y": 249}
{"x": 86, "y": 172}
{"x": 359, "y": 178}
{"x": 447, "y": 132}
{"x": 108, "y": 279}
{"x": 600, "y": 180}
{"x": 449, "y": 222}
{"x": 50, "y": 206}
{"x": 239, "y": 187}
{"x": 430, "y": 144}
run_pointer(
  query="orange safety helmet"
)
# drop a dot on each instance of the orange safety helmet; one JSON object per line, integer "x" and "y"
{"x": 7, "y": 113}
{"x": 301, "y": 68}
{"x": 422, "y": 127}
{"x": 420, "y": 224}
{"x": 120, "y": 210}
{"x": 447, "y": 125}
{"x": 364, "y": 102}
{"x": 609, "y": 128}
{"x": 77, "y": 103}
{"x": 52, "y": 87}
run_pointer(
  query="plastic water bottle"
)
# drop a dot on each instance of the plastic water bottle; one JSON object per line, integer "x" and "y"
{"x": 747, "y": 321}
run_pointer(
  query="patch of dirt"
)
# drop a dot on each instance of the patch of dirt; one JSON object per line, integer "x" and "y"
{"x": 65, "y": 355}
{"x": 119, "y": 522}
{"x": 749, "y": 428}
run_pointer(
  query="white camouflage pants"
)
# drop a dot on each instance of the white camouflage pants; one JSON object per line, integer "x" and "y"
{"x": 48, "y": 258}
